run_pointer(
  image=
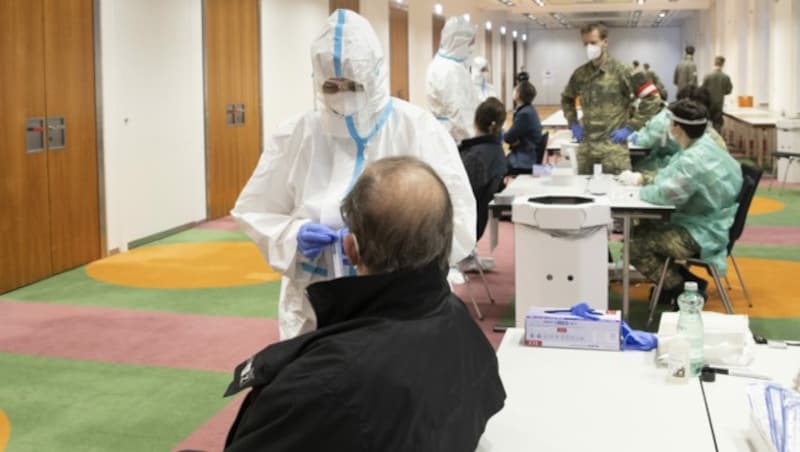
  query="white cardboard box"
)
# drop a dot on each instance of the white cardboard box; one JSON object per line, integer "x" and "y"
{"x": 556, "y": 327}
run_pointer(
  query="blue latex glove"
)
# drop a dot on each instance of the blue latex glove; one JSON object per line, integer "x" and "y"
{"x": 577, "y": 132}
{"x": 313, "y": 237}
{"x": 620, "y": 135}
{"x": 637, "y": 340}
{"x": 584, "y": 311}
{"x": 634, "y": 138}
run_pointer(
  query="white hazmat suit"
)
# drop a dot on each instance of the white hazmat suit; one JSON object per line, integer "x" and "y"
{"x": 480, "y": 79}
{"x": 313, "y": 160}
{"x": 448, "y": 86}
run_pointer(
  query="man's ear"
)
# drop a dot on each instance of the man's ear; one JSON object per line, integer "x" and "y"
{"x": 351, "y": 249}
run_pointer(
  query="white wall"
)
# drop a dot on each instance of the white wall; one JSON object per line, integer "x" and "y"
{"x": 420, "y": 50}
{"x": 153, "y": 130}
{"x": 287, "y": 29}
{"x": 561, "y": 52}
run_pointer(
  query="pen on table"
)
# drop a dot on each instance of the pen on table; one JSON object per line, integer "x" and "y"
{"x": 735, "y": 373}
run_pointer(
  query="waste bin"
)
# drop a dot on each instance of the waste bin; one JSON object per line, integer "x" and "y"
{"x": 788, "y": 169}
{"x": 560, "y": 252}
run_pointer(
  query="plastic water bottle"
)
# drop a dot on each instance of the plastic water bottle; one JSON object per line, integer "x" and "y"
{"x": 690, "y": 325}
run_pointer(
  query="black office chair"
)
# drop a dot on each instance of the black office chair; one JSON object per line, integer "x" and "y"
{"x": 750, "y": 178}
{"x": 483, "y": 189}
{"x": 541, "y": 149}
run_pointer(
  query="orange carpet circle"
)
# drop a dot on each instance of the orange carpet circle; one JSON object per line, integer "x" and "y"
{"x": 5, "y": 431}
{"x": 762, "y": 206}
{"x": 773, "y": 285}
{"x": 185, "y": 266}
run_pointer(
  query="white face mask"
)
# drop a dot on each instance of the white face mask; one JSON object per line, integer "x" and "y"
{"x": 345, "y": 103}
{"x": 593, "y": 51}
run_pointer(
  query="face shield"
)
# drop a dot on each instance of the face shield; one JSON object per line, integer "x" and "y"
{"x": 343, "y": 97}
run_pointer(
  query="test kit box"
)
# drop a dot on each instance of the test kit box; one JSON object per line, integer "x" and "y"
{"x": 556, "y": 327}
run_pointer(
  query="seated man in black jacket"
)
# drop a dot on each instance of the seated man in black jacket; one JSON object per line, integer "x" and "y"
{"x": 397, "y": 363}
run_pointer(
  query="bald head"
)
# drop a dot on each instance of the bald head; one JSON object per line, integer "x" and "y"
{"x": 401, "y": 214}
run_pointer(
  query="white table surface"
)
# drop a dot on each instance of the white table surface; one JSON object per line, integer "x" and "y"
{"x": 727, "y": 397}
{"x": 576, "y": 400}
{"x": 619, "y": 196}
{"x": 753, "y": 116}
{"x": 558, "y": 119}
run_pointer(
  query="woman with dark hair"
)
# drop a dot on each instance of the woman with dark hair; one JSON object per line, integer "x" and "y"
{"x": 483, "y": 157}
{"x": 525, "y": 134}
{"x": 703, "y": 184}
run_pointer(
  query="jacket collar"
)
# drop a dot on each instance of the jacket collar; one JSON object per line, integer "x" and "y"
{"x": 483, "y": 139}
{"x": 400, "y": 295}
{"x": 521, "y": 107}
{"x": 347, "y": 303}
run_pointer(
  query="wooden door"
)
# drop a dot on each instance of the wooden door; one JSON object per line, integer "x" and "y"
{"x": 72, "y": 170}
{"x": 487, "y": 37}
{"x": 398, "y": 43}
{"x": 514, "y": 66}
{"x": 232, "y": 82}
{"x": 438, "y": 25}
{"x": 24, "y": 201}
{"x": 352, "y": 5}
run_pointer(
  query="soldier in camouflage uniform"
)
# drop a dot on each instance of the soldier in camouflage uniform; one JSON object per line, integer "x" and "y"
{"x": 686, "y": 71}
{"x": 653, "y": 77}
{"x": 606, "y": 92}
{"x": 719, "y": 85}
{"x": 703, "y": 183}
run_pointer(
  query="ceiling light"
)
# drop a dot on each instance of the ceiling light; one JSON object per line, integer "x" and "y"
{"x": 502, "y": 29}
{"x": 662, "y": 14}
{"x": 641, "y": 2}
{"x": 524, "y": 37}
{"x": 489, "y": 25}
{"x": 438, "y": 9}
{"x": 514, "y": 34}
{"x": 539, "y": 2}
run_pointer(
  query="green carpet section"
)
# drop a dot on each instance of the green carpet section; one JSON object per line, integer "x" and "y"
{"x": 65, "y": 405}
{"x": 202, "y": 235}
{"x": 789, "y": 216}
{"x": 774, "y": 252}
{"x": 75, "y": 287}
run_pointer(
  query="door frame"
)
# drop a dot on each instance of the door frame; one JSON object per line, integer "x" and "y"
{"x": 99, "y": 140}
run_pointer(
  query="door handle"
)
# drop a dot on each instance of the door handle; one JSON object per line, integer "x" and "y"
{"x": 56, "y": 133}
{"x": 34, "y": 135}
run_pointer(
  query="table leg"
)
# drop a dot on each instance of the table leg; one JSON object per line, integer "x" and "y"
{"x": 626, "y": 262}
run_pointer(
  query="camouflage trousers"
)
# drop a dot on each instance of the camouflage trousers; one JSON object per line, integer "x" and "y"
{"x": 615, "y": 158}
{"x": 651, "y": 242}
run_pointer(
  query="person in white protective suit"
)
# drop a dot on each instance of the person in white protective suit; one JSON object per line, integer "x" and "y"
{"x": 480, "y": 79}
{"x": 448, "y": 86}
{"x": 290, "y": 205}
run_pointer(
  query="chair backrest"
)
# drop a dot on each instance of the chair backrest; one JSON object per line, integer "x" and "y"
{"x": 541, "y": 148}
{"x": 750, "y": 178}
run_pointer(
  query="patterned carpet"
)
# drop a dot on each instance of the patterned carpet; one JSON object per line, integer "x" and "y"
{"x": 133, "y": 352}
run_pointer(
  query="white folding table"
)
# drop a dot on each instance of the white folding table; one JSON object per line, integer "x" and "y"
{"x": 581, "y": 400}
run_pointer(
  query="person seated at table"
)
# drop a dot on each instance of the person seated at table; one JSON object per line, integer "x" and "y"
{"x": 483, "y": 157}
{"x": 525, "y": 134}
{"x": 654, "y": 135}
{"x": 703, "y": 184}
{"x": 396, "y": 363}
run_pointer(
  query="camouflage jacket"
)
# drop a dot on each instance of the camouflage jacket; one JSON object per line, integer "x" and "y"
{"x": 685, "y": 73}
{"x": 718, "y": 85}
{"x": 606, "y": 94}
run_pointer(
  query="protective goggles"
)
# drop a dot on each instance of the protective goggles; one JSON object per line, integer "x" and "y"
{"x": 337, "y": 85}
{"x": 688, "y": 122}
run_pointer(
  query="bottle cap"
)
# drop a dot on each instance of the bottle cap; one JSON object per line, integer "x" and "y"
{"x": 708, "y": 375}
{"x": 690, "y": 285}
